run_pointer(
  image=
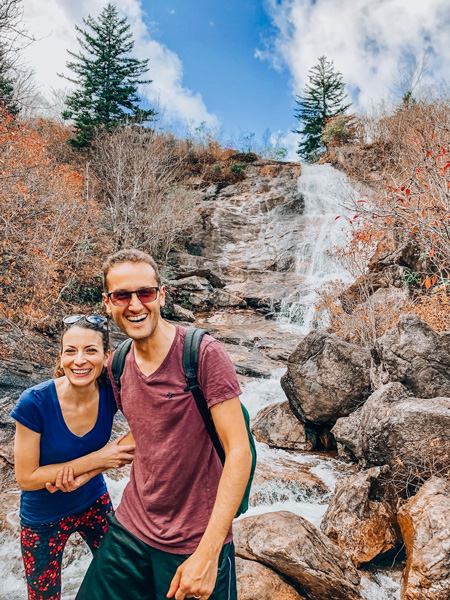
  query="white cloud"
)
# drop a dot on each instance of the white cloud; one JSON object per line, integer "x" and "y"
{"x": 53, "y": 23}
{"x": 368, "y": 40}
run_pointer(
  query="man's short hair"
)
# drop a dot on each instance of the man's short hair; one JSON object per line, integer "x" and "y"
{"x": 129, "y": 255}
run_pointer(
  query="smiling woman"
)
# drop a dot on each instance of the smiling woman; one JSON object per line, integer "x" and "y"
{"x": 61, "y": 445}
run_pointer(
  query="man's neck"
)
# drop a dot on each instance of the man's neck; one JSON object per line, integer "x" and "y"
{"x": 152, "y": 351}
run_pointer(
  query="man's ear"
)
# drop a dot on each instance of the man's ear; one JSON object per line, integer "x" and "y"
{"x": 162, "y": 295}
{"x": 107, "y": 303}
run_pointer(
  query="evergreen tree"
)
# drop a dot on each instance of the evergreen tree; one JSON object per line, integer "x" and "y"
{"x": 7, "y": 89}
{"x": 107, "y": 78}
{"x": 322, "y": 100}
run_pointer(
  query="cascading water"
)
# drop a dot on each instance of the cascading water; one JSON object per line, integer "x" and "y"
{"x": 323, "y": 189}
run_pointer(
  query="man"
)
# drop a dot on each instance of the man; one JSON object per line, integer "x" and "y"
{"x": 171, "y": 534}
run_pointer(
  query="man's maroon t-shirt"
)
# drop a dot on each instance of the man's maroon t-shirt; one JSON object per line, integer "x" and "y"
{"x": 175, "y": 472}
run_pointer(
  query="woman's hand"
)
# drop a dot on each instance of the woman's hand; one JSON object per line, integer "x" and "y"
{"x": 114, "y": 455}
{"x": 67, "y": 482}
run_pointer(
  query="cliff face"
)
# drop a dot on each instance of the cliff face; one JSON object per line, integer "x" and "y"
{"x": 247, "y": 236}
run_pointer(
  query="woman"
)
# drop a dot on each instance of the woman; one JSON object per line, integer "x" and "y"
{"x": 63, "y": 426}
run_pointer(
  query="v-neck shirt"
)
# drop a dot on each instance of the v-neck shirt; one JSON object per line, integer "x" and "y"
{"x": 39, "y": 409}
{"x": 176, "y": 471}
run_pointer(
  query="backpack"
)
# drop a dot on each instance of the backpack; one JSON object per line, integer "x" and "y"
{"x": 190, "y": 367}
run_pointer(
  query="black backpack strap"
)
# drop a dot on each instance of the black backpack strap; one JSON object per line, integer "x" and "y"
{"x": 190, "y": 366}
{"x": 118, "y": 361}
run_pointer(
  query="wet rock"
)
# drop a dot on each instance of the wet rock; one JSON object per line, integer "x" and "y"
{"x": 425, "y": 524}
{"x": 278, "y": 427}
{"x": 257, "y": 582}
{"x": 392, "y": 426}
{"x": 358, "y": 520}
{"x": 415, "y": 355}
{"x": 284, "y": 480}
{"x": 293, "y": 547}
{"x": 327, "y": 378}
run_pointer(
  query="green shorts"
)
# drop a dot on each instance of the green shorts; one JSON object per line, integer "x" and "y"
{"x": 125, "y": 568}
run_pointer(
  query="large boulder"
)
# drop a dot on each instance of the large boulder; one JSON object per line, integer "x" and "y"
{"x": 276, "y": 426}
{"x": 296, "y": 549}
{"x": 392, "y": 426}
{"x": 425, "y": 524}
{"x": 326, "y": 378}
{"x": 416, "y": 356}
{"x": 359, "y": 520}
{"x": 257, "y": 582}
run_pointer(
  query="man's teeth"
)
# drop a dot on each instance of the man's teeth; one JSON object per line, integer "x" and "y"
{"x": 81, "y": 371}
{"x": 137, "y": 319}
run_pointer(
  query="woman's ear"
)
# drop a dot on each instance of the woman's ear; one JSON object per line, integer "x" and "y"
{"x": 107, "y": 355}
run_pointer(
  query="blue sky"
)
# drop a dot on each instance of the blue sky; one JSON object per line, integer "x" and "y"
{"x": 217, "y": 41}
{"x": 238, "y": 64}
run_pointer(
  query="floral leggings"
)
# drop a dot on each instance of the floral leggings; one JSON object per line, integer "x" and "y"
{"x": 43, "y": 546}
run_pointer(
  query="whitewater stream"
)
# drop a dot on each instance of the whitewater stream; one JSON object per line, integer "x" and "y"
{"x": 321, "y": 187}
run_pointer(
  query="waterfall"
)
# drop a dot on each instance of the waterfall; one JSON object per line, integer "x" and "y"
{"x": 323, "y": 189}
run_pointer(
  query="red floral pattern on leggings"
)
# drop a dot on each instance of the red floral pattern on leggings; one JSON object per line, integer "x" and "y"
{"x": 43, "y": 546}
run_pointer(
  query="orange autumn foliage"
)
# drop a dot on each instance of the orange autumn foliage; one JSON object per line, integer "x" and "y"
{"x": 43, "y": 224}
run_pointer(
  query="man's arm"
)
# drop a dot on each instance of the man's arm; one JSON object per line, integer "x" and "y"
{"x": 197, "y": 575}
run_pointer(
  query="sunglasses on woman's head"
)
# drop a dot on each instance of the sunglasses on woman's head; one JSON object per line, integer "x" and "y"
{"x": 94, "y": 319}
{"x": 145, "y": 295}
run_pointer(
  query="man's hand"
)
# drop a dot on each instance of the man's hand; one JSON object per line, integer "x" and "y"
{"x": 114, "y": 455}
{"x": 195, "y": 578}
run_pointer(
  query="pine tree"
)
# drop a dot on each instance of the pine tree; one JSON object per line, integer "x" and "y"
{"x": 7, "y": 89}
{"x": 107, "y": 78}
{"x": 322, "y": 100}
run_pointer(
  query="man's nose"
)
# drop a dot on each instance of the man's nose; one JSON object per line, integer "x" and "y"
{"x": 135, "y": 303}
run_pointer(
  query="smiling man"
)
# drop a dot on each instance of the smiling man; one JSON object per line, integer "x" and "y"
{"x": 171, "y": 534}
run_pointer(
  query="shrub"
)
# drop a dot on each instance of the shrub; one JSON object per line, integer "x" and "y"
{"x": 237, "y": 168}
{"x": 44, "y": 221}
{"x": 339, "y": 130}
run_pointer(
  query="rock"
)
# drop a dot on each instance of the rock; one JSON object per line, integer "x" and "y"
{"x": 415, "y": 355}
{"x": 425, "y": 524}
{"x": 257, "y": 582}
{"x": 214, "y": 278}
{"x": 191, "y": 284}
{"x": 284, "y": 480}
{"x": 224, "y": 299}
{"x": 326, "y": 378}
{"x": 296, "y": 549}
{"x": 182, "y": 314}
{"x": 368, "y": 285}
{"x": 358, "y": 521}
{"x": 392, "y": 426}
{"x": 278, "y": 427}
{"x": 191, "y": 292}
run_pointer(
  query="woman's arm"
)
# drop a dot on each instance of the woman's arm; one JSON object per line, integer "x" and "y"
{"x": 30, "y": 476}
{"x": 66, "y": 481}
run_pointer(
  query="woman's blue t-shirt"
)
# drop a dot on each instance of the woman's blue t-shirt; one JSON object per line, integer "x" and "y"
{"x": 39, "y": 410}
